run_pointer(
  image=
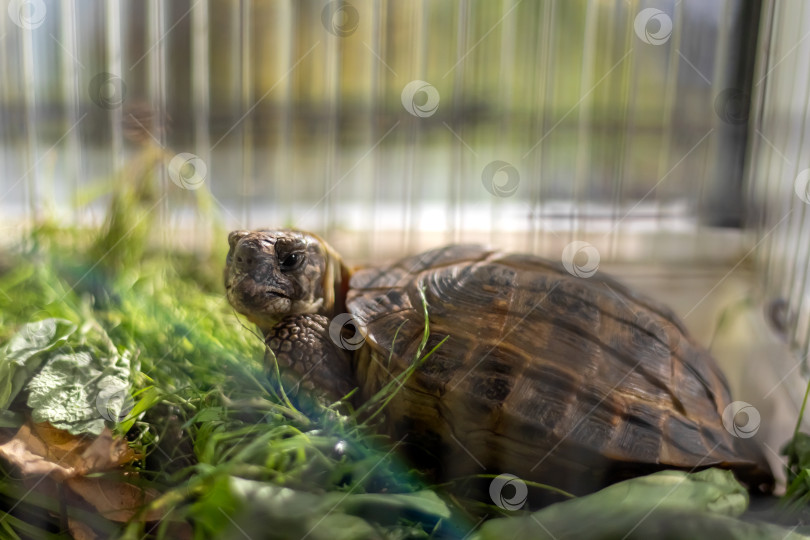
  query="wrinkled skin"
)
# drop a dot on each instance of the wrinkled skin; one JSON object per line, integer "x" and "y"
{"x": 289, "y": 284}
{"x": 273, "y": 274}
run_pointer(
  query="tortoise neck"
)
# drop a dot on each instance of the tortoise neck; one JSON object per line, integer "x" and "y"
{"x": 341, "y": 288}
{"x": 335, "y": 283}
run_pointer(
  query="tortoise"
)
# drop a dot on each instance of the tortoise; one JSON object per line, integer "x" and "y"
{"x": 571, "y": 381}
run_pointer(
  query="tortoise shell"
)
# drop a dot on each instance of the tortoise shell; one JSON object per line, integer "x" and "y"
{"x": 574, "y": 382}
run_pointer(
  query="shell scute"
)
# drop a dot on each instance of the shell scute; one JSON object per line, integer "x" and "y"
{"x": 594, "y": 419}
{"x": 441, "y": 368}
{"x": 572, "y": 302}
{"x": 685, "y": 436}
{"x": 493, "y": 389}
{"x": 637, "y": 435}
{"x": 544, "y": 375}
{"x": 496, "y": 361}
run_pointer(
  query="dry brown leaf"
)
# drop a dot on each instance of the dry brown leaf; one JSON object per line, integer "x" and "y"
{"x": 59, "y": 441}
{"x": 81, "y": 531}
{"x": 114, "y": 499}
{"x": 106, "y": 453}
{"x": 33, "y": 456}
{"x": 180, "y": 531}
{"x": 39, "y": 449}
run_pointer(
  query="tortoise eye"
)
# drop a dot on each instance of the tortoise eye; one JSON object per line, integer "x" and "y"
{"x": 291, "y": 261}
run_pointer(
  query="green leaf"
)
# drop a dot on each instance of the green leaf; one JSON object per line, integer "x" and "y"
{"x": 425, "y": 503}
{"x": 798, "y": 451}
{"x": 209, "y": 414}
{"x": 81, "y": 387}
{"x": 667, "y": 504}
{"x": 11, "y": 419}
{"x": 22, "y": 356}
{"x": 148, "y": 397}
{"x": 235, "y": 506}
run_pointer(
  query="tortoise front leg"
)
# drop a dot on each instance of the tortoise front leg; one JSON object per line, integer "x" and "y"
{"x": 308, "y": 359}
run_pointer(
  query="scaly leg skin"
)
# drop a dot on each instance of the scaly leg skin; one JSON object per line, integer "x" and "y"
{"x": 310, "y": 364}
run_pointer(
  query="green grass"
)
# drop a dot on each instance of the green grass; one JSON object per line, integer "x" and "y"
{"x": 207, "y": 415}
{"x": 205, "y": 409}
{"x": 228, "y": 453}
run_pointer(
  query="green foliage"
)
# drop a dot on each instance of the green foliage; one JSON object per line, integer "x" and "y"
{"x": 797, "y": 450}
{"x": 797, "y": 494}
{"x": 205, "y": 415}
{"x": 89, "y": 311}
{"x": 298, "y": 514}
{"x": 123, "y": 238}
{"x": 81, "y": 384}
{"x": 668, "y": 504}
{"x": 24, "y": 353}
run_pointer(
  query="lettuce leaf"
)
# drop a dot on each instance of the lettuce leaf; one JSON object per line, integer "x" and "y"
{"x": 24, "y": 353}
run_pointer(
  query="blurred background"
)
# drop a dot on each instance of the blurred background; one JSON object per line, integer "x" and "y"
{"x": 666, "y": 138}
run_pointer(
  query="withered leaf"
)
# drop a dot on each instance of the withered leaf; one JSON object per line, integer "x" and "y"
{"x": 81, "y": 531}
{"x": 114, "y": 499}
{"x": 41, "y": 449}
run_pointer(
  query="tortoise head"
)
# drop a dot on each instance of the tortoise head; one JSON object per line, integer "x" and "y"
{"x": 270, "y": 274}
